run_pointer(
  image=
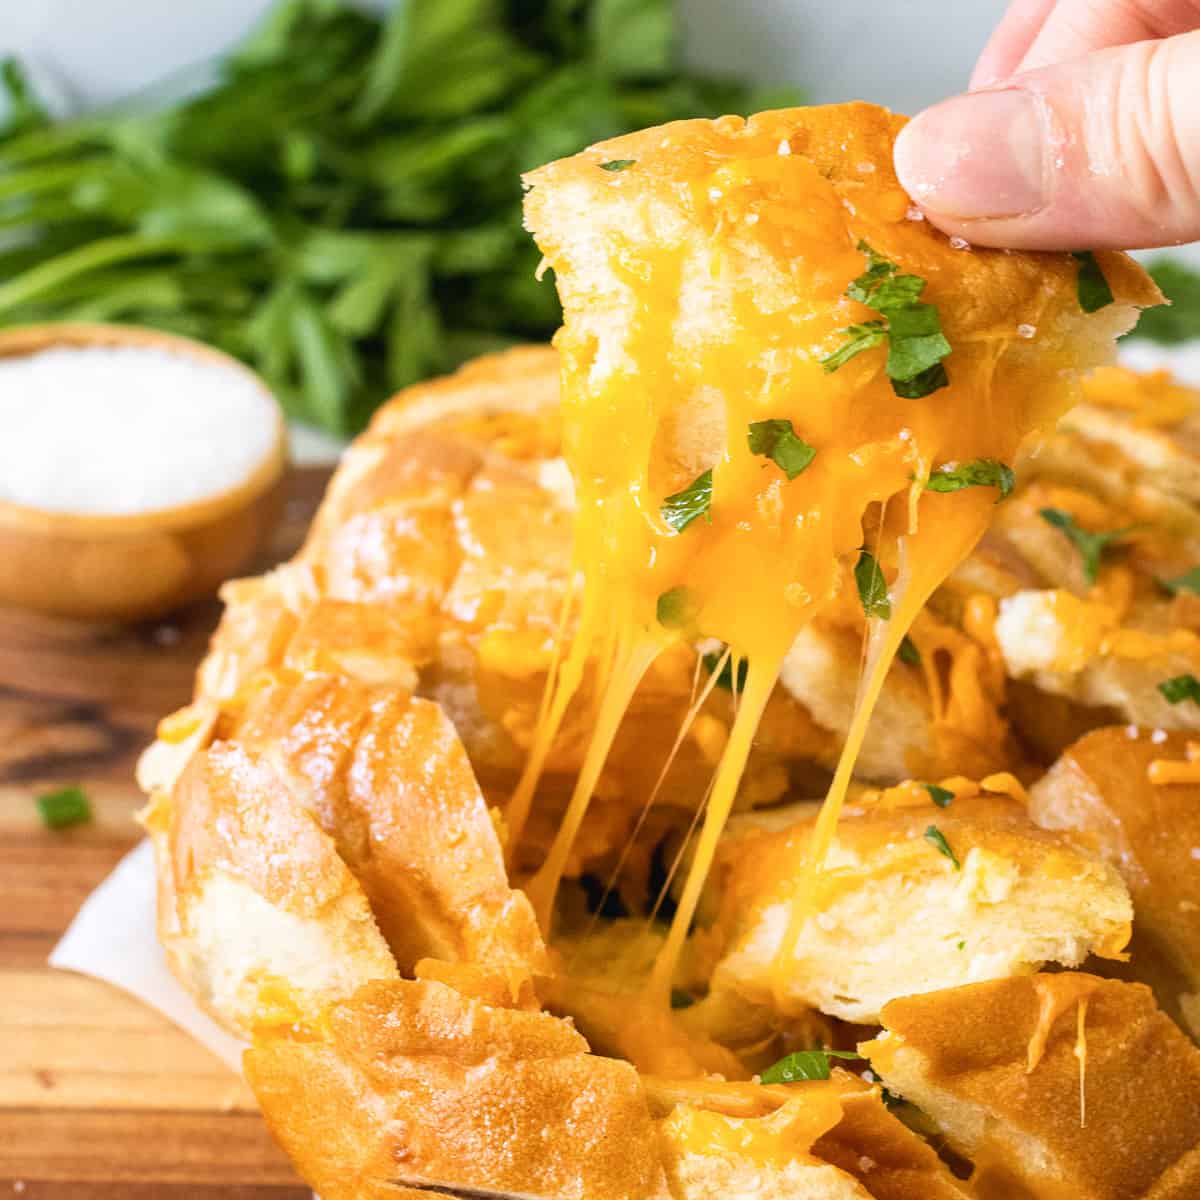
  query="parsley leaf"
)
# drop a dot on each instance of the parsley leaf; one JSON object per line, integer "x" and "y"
{"x": 1091, "y": 286}
{"x": 934, "y": 835}
{"x": 872, "y": 587}
{"x": 979, "y": 472}
{"x": 1091, "y": 546}
{"x": 617, "y": 164}
{"x": 804, "y": 1065}
{"x": 1180, "y": 688}
{"x": 778, "y": 441}
{"x": 726, "y": 678}
{"x": 1189, "y": 581}
{"x": 681, "y": 509}
{"x": 921, "y": 385}
{"x": 908, "y": 652}
{"x": 859, "y": 338}
{"x": 675, "y": 608}
{"x": 912, "y": 329}
{"x": 66, "y": 807}
{"x": 939, "y": 795}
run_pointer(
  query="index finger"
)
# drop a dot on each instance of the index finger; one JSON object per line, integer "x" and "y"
{"x": 1011, "y": 41}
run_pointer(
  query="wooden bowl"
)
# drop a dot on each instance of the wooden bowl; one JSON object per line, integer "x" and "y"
{"x": 132, "y": 567}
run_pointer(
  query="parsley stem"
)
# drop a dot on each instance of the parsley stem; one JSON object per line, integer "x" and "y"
{"x": 88, "y": 257}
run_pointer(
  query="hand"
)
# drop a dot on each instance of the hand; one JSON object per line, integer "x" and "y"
{"x": 1081, "y": 131}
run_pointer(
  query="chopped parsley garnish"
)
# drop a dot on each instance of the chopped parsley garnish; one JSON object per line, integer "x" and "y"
{"x": 1180, "y": 688}
{"x": 66, "y": 807}
{"x": 1189, "y": 581}
{"x": 979, "y": 472}
{"x": 804, "y": 1065}
{"x": 725, "y": 678}
{"x": 908, "y": 652}
{"x": 862, "y": 337}
{"x": 674, "y": 608}
{"x": 1093, "y": 290}
{"x": 681, "y": 509}
{"x": 935, "y": 836}
{"x": 939, "y": 795}
{"x": 962, "y": 945}
{"x": 911, "y": 328}
{"x": 617, "y": 164}
{"x": 872, "y": 587}
{"x": 1091, "y": 546}
{"x": 778, "y": 441}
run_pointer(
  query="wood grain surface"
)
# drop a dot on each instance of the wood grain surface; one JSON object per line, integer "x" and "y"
{"x": 100, "y": 1097}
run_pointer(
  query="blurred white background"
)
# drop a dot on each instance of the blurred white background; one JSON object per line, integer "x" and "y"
{"x": 902, "y": 53}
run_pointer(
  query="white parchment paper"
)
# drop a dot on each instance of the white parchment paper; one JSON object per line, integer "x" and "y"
{"x": 112, "y": 938}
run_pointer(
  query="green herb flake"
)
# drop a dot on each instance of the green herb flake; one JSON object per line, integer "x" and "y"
{"x": 1093, "y": 290}
{"x": 937, "y": 839}
{"x": 911, "y": 328}
{"x": 681, "y": 509}
{"x": 908, "y": 652}
{"x": 1091, "y": 546}
{"x": 872, "y": 587}
{"x": 725, "y": 677}
{"x": 939, "y": 795}
{"x": 681, "y": 999}
{"x": 778, "y": 441}
{"x": 801, "y": 1066}
{"x": 66, "y": 807}
{"x": 675, "y": 608}
{"x": 1180, "y": 688}
{"x": 1189, "y": 581}
{"x": 962, "y": 945}
{"x": 862, "y": 337}
{"x": 617, "y": 164}
{"x": 979, "y": 472}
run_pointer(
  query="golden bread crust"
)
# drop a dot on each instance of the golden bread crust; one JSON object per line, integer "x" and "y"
{"x": 412, "y": 1078}
{"x": 1101, "y": 787}
{"x": 879, "y": 1150}
{"x": 964, "y": 1057}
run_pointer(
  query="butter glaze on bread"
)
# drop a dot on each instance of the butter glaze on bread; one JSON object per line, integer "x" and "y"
{"x": 963, "y": 1057}
{"x": 1151, "y": 834}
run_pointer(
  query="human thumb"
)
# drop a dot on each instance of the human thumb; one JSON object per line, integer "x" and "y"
{"x": 1101, "y": 152}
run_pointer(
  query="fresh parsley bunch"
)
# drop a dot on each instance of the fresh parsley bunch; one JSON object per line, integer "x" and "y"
{"x": 341, "y": 209}
{"x": 1180, "y": 321}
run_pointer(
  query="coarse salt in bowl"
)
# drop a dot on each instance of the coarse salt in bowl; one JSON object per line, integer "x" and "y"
{"x": 114, "y": 430}
{"x": 137, "y": 469}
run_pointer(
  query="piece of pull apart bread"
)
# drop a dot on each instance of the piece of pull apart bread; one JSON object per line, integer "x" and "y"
{"x": 328, "y": 815}
{"x": 915, "y": 897}
{"x": 1055, "y": 1086}
{"x": 1137, "y": 794}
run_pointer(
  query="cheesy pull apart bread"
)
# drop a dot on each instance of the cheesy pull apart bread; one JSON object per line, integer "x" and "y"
{"x": 443, "y": 834}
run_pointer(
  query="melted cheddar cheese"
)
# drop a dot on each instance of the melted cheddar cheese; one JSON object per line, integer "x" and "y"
{"x": 704, "y": 281}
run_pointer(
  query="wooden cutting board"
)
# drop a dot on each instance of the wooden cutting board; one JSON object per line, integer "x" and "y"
{"x": 100, "y": 1097}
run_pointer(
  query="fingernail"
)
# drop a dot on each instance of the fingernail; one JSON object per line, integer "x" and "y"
{"x": 976, "y": 156}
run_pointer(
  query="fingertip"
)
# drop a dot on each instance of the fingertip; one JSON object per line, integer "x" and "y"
{"x": 977, "y": 156}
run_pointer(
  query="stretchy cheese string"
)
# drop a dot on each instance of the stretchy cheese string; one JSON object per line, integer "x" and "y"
{"x": 699, "y": 697}
{"x": 771, "y": 551}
